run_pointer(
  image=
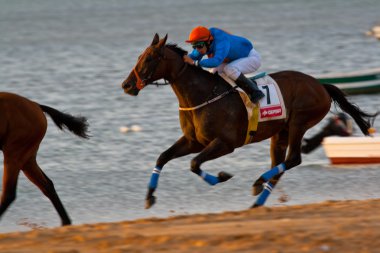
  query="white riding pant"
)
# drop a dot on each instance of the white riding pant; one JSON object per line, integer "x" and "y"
{"x": 245, "y": 65}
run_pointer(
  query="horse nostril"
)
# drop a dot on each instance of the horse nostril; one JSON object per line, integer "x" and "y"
{"x": 125, "y": 85}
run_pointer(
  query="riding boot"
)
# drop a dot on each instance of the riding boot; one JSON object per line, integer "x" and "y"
{"x": 250, "y": 87}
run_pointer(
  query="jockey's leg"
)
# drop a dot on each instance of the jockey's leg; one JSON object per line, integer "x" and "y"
{"x": 218, "y": 69}
{"x": 215, "y": 149}
{"x": 236, "y": 70}
{"x": 250, "y": 87}
{"x": 182, "y": 147}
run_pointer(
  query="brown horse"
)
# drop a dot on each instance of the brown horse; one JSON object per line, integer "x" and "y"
{"x": 22, "y": 128}
{"x": 214, "y": 122}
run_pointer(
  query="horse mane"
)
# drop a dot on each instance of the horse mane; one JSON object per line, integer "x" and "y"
{"x": 177, "y": 49}
{"x": 181, "y": 52}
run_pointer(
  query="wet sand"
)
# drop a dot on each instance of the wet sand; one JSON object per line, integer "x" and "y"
{"x": 344, "y": 226}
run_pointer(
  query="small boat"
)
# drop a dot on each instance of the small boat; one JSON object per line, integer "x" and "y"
{"x": 352, "y": 83}
{"x": 352, "y": 150}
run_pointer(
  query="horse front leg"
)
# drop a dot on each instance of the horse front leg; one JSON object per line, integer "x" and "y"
{"x": 180, "y": 148}
{"x": 215, "y": 149}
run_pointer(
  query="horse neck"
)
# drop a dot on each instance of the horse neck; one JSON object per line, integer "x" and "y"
{"x": 195, "y": 86}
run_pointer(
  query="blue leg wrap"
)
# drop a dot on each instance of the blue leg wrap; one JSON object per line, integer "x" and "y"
{"x": 273, "y": 172}
{"x": 212, "y": 180}
{"x": 268, "y": 187}
{"x": 154, "y": 178}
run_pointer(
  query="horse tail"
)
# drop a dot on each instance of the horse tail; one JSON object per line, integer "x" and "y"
{"x": 363, "y": 119}
{"x": 76, "y": 125}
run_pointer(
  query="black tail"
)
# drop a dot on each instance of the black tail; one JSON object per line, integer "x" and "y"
{"x": 363, "y": 119}
{"x": 76, "y": 125}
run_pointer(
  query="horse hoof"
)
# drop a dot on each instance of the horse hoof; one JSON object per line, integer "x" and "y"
{"x": 150, "y": 202}
{"x": 224, "y": 176}
{"x": 257, "y": 189}
{"x": 255, "y": 206}
{"x": 66, "y": 223}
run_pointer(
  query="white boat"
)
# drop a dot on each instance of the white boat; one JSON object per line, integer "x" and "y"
{"x": 352, "y": 150}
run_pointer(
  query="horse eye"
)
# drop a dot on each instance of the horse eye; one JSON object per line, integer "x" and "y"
{"x": 149, "y": 58}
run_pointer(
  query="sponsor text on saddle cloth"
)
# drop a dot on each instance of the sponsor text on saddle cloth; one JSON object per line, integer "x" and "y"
{"x": 271, "y": 107}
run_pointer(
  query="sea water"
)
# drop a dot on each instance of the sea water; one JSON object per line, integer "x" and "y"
{"x": 74, "y": 55}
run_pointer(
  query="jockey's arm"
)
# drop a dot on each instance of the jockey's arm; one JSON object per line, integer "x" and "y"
{"x": 220, "y": 53}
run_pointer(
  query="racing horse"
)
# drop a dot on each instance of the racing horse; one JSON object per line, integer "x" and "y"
{"x": 22, "y": 127}
{"x": 214, "y": 120}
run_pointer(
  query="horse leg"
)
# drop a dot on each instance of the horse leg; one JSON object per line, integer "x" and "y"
{"x": 180, "y": 148}
{"x": 34, "y": 173}
{"x": 293, "y": 158}
{"x": 215, "y": 149}
{"x": 279, "y": 144}
{"x": 10, "y": 177}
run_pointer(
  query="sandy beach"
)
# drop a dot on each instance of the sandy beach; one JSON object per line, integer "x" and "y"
{"x": 334, "y": 226}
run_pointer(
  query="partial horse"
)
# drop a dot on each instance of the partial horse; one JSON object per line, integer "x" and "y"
{"x": 22, "y": 127}
{"x": 214, "y": 120}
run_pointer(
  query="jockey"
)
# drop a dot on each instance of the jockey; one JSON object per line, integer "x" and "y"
{"x": 227, "y": 53}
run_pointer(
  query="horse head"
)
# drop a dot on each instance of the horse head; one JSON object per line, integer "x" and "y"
{"x": 148, "y": 68}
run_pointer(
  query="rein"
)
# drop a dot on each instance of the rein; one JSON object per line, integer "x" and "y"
{"x": 159, "y": 83}
{"x": 141, "y": 83}
{"x": 233, "y": 89}
{"x": 165, "y": 81}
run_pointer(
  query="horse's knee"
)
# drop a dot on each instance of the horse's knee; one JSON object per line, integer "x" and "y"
{"x": 293, "y": 162}
{"x": 162, "y": 159}
{"x": 8, "y": 199}
{"x": 48, "y": 188}
{"x": 195, "y": 166}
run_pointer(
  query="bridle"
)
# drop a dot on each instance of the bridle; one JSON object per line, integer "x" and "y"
{"x": 142, "y": 82}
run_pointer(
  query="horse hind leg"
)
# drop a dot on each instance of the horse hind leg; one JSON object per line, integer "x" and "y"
{"x": 279, "y": 144}
{"x": 10, "y": 177}
{"x": 34, "y": 173}
{"x": 292, "y": 160}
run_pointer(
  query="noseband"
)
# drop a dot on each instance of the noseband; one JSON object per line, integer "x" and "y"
{"x": 140, "y": 83}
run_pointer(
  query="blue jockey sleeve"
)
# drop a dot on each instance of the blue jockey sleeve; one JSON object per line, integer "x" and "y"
{"x": 220, "y": 50}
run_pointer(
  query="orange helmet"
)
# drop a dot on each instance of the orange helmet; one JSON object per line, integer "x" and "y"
{"x": 199, "y": 33}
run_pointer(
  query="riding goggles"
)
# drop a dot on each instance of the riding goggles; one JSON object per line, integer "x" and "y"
{"x": 199, "y": 44}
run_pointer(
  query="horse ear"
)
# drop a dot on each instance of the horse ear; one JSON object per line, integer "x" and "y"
{"x": 156, "y": 39}
{"x": 162, "y": 41}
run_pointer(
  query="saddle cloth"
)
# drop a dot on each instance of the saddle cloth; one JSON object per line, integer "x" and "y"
{"x": 271, "y": 107}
